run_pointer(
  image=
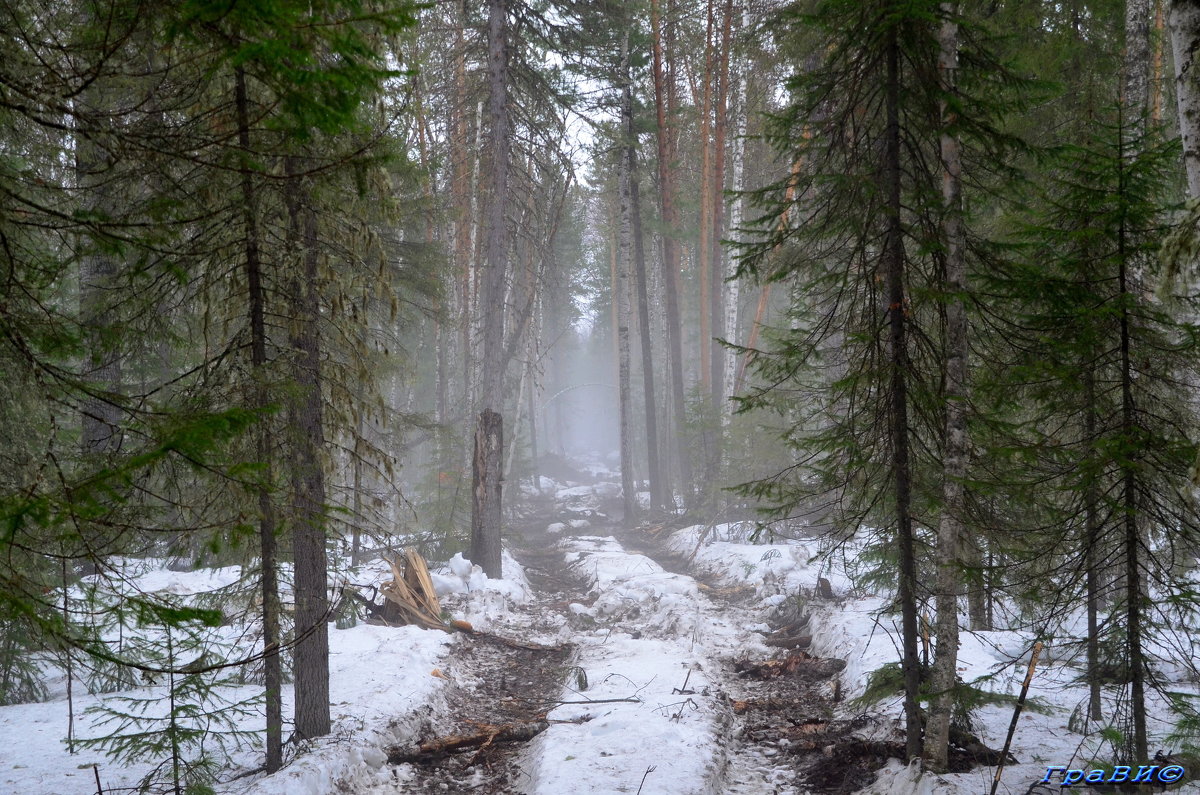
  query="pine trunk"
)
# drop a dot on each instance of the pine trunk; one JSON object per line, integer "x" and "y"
{"x": 272, "y": 671}
{"x": 621, "y": 299}
{"x": 486, "y": 494}
{"x": 653, "y": 471}
{"x": 663, "y": 102}
{"x": 704, "y": 252}
{"x": 954, "y": 466}
{"x": 893, "y": 262}
{"x": 1129, "y": 507}
{"x": 311, "y": 654}
{"x": 485, "y": 541}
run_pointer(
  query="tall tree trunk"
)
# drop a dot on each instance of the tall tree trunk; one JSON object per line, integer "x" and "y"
{"x": 1157, "y": 37}
{"x": 663, "y": 102}
{"x": 732, "y": 286}
{"x": 272, "y": 672}
{"x": 485, "y": 542}
{"x": 704, "y": 251}
{"x": 1129, "y": 505}
{"x": 622, "y": 294}
{"x": 653, "y": 470}
{"x": 893, "y": 262}
{"x": 764, "y": 295}
{"x": 1136, "y": 88}
{"x": 311, "y": 576}
{"x": 535, "y": 472}
{"x": 98, "y": 268}
{"x": 1184, "y": 21}
{"x": 954, "y": 457}
{"x": 1091, "y": 551}
{"x": 717, "y": 272}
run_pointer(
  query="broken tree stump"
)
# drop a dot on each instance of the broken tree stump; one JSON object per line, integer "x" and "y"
{"x": 457, "y": 743}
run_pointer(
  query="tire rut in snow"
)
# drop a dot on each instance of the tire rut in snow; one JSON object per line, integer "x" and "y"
{"x": 783, "y": 734}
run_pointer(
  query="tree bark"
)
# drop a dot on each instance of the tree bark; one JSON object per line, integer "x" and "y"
{"x": 1184, "y": 21}
{"x": 485, "y": 519}
{"x": 717, "y": 272}
{"x": 1129, "y": 506}
{"x": 1136, "y": 86}
{"x": 653, "y": 470}
{"x": 94, "y": 166}
{"x": 311, "y": 576}
{"x": 622, "y": 293}
{"x": 954, "y": 466}
{"x": 664, "y": 101}
{"x": 893, "y": 262}
{"x": 704, "y": 249}
{"x": 486, "y": 493}
{"x": 1091, "y": 525}
{"x": 272, "y": 672}
{"x": 732, "y": 286}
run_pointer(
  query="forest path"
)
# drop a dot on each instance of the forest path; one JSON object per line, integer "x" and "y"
{"x": 650, "y": 679}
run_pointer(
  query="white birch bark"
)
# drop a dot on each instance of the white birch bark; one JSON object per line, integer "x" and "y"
{"x": 1184, "y": 22}
{"x": 1137, "y": 61}
{"x": 736, "y": 215}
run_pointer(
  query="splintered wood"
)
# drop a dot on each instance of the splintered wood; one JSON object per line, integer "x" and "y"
{"x": 411, "y": 592}
{"x": 487, "y": 736}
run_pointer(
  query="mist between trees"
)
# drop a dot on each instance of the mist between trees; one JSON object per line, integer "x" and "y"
{"x": 286, "y": 282}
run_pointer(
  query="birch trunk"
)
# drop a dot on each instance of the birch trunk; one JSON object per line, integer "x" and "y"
{"x": 1184, "y": 22}
{"x": 736, "y": 210}
{"x": 717, "y": 273}
{"x": 1137, "y": 61}
{"x": 704, "y": 252}
{"x": 954, "y": 467}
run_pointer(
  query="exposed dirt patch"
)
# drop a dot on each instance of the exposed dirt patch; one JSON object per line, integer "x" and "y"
{"x": 500, "y": 693}
{"x": 496, "y": 690}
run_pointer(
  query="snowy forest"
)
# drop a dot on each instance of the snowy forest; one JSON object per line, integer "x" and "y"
{"x": 628, "y": 396}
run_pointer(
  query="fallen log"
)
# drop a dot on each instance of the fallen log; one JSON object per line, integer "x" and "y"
{"x": 487, "y": 736}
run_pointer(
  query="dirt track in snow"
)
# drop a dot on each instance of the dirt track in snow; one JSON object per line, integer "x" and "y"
{"x": 738, "y": 731}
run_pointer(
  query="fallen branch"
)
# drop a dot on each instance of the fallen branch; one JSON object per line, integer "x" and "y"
{"x": 600, "y": 701}
{"x": 489, "y": 735}
{"x": 1012, "y": 726}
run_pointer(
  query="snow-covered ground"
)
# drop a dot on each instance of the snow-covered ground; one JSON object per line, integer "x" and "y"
{"x": 648, "y": 650}
{"x": 646, "y": 702}
{"x": 383, "y": 691}
{"x": 855, "y": 629}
